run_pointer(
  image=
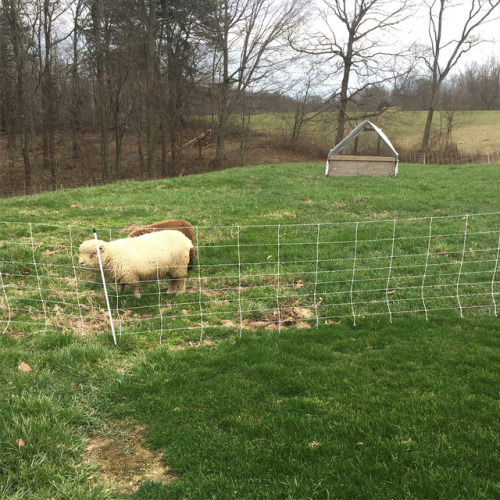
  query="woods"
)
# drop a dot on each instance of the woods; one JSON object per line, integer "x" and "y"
{"x": 92, "y": 87}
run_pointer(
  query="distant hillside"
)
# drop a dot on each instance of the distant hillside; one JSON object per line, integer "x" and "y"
{"x": 270, "y": 138}
{"x": 471, "y": 131}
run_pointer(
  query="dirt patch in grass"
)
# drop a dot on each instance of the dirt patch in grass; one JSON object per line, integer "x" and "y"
{"x": 123, "y": 462}
{"x": 293, "y": 316}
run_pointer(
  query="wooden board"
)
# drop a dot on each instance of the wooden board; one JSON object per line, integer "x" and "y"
{"x": 362, "y": 165}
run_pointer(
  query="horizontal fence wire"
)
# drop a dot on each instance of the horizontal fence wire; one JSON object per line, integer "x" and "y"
{"x": 261, "y": 277}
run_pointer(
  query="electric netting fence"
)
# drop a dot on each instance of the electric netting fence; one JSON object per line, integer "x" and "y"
{"x": 257, "y": 277}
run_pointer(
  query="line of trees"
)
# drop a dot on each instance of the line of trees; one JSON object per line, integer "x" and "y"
{"x": 152, "y": 68}
{"x": 475, "y": 87}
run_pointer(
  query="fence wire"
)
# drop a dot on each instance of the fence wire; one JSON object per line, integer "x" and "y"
{"x": 269, "y": 277}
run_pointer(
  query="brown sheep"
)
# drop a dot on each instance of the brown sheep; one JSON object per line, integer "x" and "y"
{"x": 180, "y": 225}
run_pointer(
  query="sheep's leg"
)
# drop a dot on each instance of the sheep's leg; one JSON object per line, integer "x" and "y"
{"x": 177, "y": 285}
{"x": 181, "y": 286}
{"x": 172, "y": 286}
{"x": 122, "y": 288}
{"x": 178, "y": 280}
{"x": 135, "y": 289}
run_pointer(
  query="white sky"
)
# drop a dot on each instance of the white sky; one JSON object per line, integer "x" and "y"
{"x": 454, "y": 20}
{"x": 416, "y": 28}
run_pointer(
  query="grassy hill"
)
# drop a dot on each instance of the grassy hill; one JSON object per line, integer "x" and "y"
{"x": 266, "y": 194}
{"x": 472, "y": 131}
{"x": 407, "y": 408}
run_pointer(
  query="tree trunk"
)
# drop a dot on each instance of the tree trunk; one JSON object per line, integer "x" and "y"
{"x": 48, "y": 117}
{"x": 75, "y": 99}
{"x": 223, "y": 101}
{"x": 102, "y": 112}
{"x": 430, "y": 115}
{"x": 220, "y": 151}
{"x": 151, "y": 97}
{"x": 344, "y": 93}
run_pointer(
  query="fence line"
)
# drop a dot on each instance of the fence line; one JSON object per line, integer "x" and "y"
{"x": 450, "y": 158}
{"x": 416, "y": 158}
{"x": 257, "y": 277}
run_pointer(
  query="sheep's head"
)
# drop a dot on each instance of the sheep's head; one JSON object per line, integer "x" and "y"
{"x": 88, "y": 253}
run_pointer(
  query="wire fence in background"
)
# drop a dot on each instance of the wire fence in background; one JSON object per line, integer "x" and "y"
{"x": 269, "y": 277}
{"x": 69, "y": 181}
{"x": 456, "y": 158}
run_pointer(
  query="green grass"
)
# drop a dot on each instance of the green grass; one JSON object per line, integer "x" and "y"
{"x": 374, "y": 412}
{"x": 271, "y": 194}
{"x": 240, "y": 215}
{"x": 51, "y": 410}
{"x": 407, "y": 409}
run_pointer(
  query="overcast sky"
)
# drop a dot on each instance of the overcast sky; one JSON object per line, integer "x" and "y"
{"x": 454, "y": 20}
{"x": 416, "y": 29}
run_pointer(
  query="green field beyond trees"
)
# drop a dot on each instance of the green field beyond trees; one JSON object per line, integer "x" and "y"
{"x": 407, "y": 409}
{"x": 471, "y": 131}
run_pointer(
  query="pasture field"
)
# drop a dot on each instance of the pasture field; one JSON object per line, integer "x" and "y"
{"x": 395, "y": 405}
{"x": 472, "y": 131}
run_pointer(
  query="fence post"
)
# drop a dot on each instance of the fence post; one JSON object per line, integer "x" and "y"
{"x": 6, "y": 301}
{"x": 105, "y": 288}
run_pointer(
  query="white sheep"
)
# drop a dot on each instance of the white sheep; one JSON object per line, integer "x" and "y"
{"x": 150, "y": 256}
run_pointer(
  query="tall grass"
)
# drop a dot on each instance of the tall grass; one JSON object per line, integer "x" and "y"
{"x": 401, "y": 409}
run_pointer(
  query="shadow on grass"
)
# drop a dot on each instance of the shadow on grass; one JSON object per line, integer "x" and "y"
{"x": 379, "y": 410}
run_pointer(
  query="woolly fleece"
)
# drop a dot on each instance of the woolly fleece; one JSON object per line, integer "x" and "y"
{"x": 181, "y": 225}
{"x": 131, "y": 260}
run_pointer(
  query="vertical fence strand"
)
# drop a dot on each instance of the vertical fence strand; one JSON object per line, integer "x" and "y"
{"x": 390, "y": 269}
{"x": 461, "y": 266}
{"x": 77, "y": 290}
{"x": 354, "y": 272}
{"x": 200, "y": 287}
{"x": 239, "y": 282}
{"x": 278, "y": 284}
{"x": 7, "y": 303}
{"x": 316, "y": 279}
{"x": 426, "y": 268}
{"x": 493, "y": 279}
{"x": 38, "y": 278}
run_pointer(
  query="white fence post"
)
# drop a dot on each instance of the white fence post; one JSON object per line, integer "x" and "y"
{"x": 105, "y": 288}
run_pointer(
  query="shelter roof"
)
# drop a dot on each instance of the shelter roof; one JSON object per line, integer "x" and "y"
{"x": 366, "y": 125}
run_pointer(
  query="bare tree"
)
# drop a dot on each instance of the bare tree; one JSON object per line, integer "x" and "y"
{"x": 75, "y": 97}
{"x": 445, "y": 53}
{"x": 480, "y": 84}
{"x": 20, "y": 43}
{"x": 308, "y": 106}
{"x": 99, "y": 52}
{"x": 179, "y": 55}
{"x": 353, "y": 41}
{"x": 47, "y": 13}
{"x": 244, "y": 35}
{"x": 152, "y": 75}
